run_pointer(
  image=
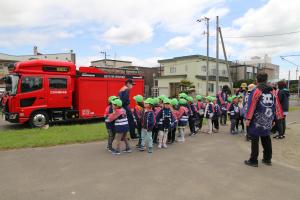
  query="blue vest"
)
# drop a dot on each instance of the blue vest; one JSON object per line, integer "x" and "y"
{"x": 164, "y": 118}
{"x": 183, "y": 120}
{"x": 264, "y": 115}
{"x": 121, "y": 124}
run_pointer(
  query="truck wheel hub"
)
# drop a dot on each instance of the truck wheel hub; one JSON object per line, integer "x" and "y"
{"x": 39, "y": 120}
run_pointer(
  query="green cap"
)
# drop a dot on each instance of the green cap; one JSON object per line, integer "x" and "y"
{"x": 229, "y": 99}
{"x": 138, "y": 98}
{"x": 167, "y": 101}
{"x": 183, "y": 95}
{"x": 199, "y": 97}
{"x": 162, "y": 97}
{"x": 213, "y": 98}
{"x": 117, "y": 102}
{"x": 190, "y": 99}
{"x": 111, "y": 98}
{"x": 149, "y": 101}
{"x": 174, "y": 102}
{"x": 209, "y": 98}
{"x": 156, "y": 101}
{"x": 233, "y": 97}
{"x": 182, "y": 101}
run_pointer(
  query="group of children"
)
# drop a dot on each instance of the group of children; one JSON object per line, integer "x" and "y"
{"x": 163, "y": 121}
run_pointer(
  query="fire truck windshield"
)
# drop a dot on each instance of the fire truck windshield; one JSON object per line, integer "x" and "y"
{"x": 11, "y": 82}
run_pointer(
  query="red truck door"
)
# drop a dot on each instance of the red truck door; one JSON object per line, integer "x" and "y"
{"x": 32, "y": 94}
{"x": 59, "y": 91}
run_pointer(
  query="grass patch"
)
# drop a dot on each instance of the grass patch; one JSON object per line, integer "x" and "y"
{"x": 56, "y": 135}
{"x": 293, "y": 109}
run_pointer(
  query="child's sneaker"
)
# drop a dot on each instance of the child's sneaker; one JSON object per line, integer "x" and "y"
{"x": 115, "y": 152}
{"x": 127, "y": 150}
{"x": 150, "y": 150}
{"x": 141, "y": 148}
{"x": 164, "y": 146}
{"x": 159, "y": 146}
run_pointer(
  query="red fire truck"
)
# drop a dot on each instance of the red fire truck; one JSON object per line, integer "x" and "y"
{"x": 43, "y": 91}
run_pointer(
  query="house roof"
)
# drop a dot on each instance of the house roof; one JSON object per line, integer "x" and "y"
{"x": 191, "y": 57}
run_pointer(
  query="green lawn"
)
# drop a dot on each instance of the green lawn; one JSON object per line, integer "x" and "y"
{"x": 293, "y": 109}
{"x": 55, "y": 135}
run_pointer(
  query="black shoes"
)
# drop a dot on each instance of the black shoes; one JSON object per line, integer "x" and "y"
{"x": 255, "y": 164}
{"x": 266, "y": 162}
{"x": 251, "y": 163}
{"x": 279, "y": 137}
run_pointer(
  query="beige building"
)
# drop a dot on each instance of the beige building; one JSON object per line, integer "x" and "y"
{"x": 264, "y": 64}
{"x": 192, "y": 68}
{"x": 111, "y": 63}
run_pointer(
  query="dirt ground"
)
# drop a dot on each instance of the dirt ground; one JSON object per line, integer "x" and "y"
{"x": 286, "y": 151}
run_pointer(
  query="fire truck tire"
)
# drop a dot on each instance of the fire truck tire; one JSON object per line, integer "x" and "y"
{"x": 39, "y": 119}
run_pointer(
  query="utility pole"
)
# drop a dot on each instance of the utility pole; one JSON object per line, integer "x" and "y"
{"x": 225, "y": 56}
{"x": 217, "y": 54}
{"x": 104, "y": 53}
{"x": 289, "y": 78}
{"x": 206, "y": 19}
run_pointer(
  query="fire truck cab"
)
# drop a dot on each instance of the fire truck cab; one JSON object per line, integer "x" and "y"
{"x": 40, "y": 91}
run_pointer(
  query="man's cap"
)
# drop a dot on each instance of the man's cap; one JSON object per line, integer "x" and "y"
{"x": 130, "y": 81}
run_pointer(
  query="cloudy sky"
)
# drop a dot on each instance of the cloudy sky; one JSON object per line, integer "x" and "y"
{"x": 146, "y": 30}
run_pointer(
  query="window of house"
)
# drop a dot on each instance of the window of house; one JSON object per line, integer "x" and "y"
{"x": 210, "y": 87}
{"x": 172, "y": 69}
{"x": 31, "y": 83}
{"x": 58, "y": 83}
{"x": 156, "y": 83}
{"x": 204, "y": 68}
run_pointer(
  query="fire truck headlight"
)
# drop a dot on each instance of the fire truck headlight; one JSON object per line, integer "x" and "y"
{"x": 21, "y": 114}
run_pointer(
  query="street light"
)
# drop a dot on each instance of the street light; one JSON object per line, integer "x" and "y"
{"x": 206, "y": 20}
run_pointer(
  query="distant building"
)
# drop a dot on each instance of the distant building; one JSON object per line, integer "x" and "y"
{"x": 248, "y": 69}
{"x": 111, "y": 63}
{"x": 6, "y": 60}
{"x": 242, "y": 72}
{"x": 192, "y": 68}
{"x": 150, "y": 73}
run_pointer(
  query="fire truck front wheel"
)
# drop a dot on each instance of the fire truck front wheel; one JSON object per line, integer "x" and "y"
{"x": 39, "y": 119}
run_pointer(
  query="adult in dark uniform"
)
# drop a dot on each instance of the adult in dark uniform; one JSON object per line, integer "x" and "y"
{"x": 124, "y": 95}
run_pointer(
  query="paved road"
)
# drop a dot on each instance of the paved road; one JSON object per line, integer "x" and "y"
{"x": 205, "y": 167}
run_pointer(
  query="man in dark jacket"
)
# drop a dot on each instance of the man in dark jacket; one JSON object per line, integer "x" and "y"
{"x": 260, "y": 117}
{"x": 124, "y": 95}
{"x": 283, "y": 96}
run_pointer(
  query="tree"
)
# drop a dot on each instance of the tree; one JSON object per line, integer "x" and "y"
{"x": 187, "y": 86}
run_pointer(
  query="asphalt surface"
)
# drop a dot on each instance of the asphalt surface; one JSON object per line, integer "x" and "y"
{"x": 205, "y": 167}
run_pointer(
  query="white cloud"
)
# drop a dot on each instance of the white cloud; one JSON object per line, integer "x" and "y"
{"x": 144, "y": 62}
{"x": 130, "y": 33}
{"x": 179, "y": 42}
{"x": 122, "y": 21}
{"x": 275, "y": 16}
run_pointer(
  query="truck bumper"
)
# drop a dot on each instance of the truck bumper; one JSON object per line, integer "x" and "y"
{"x": 12, "y": 117}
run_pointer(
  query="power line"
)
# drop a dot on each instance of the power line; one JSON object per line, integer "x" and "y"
{"x": 264, "y": 35}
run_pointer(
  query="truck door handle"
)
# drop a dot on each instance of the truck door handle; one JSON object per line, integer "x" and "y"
{"x": 41, "y": 98}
